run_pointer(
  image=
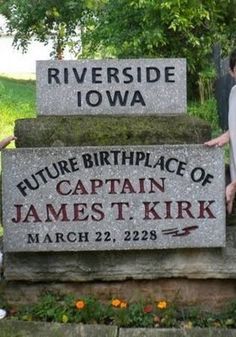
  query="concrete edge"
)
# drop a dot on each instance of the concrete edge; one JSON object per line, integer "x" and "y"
{"x": 13, "y": 328}
{"x": 172, "y": 332}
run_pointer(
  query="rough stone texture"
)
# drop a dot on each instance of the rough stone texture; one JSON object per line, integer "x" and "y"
{"x": 108, "y": 130}
{"x": 177, "y": 333}
{"x": 109, "y": 227}
{"x": 205, "y": 294}
{"x": 111, "y": 266}
{"x": 145, "y": 85}
{"x": 42, "y": 329}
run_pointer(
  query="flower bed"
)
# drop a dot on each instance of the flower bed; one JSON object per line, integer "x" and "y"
{"x": 156, "y": 314}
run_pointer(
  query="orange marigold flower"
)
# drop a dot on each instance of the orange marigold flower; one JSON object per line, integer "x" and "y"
{"x": 80, "y": 304}
{"x": 123, "y": 305}
{"x": 162, "y": 305}
{"x": 116, "y": 302}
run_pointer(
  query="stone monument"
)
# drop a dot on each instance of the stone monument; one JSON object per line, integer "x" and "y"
{"x": 111, "y": 182}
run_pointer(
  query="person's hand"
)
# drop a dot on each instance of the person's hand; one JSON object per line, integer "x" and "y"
{"x": 230, "y": 196}
{"x": 6, "y": 141}
{"x": 218, "y": 141}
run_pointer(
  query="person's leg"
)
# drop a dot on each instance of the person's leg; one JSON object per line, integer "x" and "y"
{"x": 3, "y": 312}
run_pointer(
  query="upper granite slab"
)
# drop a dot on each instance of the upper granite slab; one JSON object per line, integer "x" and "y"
{"x": 111, "y": 87}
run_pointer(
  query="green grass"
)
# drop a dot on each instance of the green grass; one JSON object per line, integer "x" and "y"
{"x": 17, "y": 100}
{"x": 208, "y": 112}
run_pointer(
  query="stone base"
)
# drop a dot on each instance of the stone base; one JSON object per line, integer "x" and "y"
{"x": 205, "y": 277}
{"x": 204, "y": 263}
{"x": 204, "y": 294}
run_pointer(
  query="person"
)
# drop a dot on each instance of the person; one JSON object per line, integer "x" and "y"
{"x": 229, "y": 137}
{"x": 3, "y": 143}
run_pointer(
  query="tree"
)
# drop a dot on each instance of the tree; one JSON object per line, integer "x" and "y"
{"x": 45, "y": 20}
{"x": 161, "y": 28}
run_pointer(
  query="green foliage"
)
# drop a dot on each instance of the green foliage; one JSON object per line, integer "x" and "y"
{"x": 206, "y": 81}
{"x": 207, "y": 111}
{"x": 133, "y": 316}
{"x": 58, "y": 308}
{"x": 127, "y": 29}
{"x": 170, "y": 28}
{"x": 42, "y": 20}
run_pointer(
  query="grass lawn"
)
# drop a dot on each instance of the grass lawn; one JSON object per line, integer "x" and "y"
{"x": 17, "y": 100}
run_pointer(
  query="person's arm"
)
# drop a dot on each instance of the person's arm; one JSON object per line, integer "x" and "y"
{"x": 4, "y": 142}
{"x": 230, "y": 195}
{"x": 218, "y": 141}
